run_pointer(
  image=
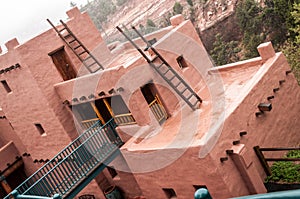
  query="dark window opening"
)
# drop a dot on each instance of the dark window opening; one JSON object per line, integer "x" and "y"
{"x": 155, "y": 104}
{"x": 118, "y": 105}
{"x": 16, "y": 177}
{"x": 85, "y": 114}
{"x": 86, "y": 196}
{"x": 181, "y": 62}
{"x": 6, "y": 86}
{"x": 170, "y": 193}
{"x": 63, "y": 64}
{"x": 40, "y": 129}
{"x": 148, "y": 91}
{"x": 112, "y": 171}
{"x": 101, "y": 105}
{"x": 84, "y": 111}
{"x": 196, "y": 187}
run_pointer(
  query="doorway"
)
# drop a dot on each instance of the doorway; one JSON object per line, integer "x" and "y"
{"x": 103, "y": 110}
{"x": 156, "y": 106}
{"x": 63, "y": 64}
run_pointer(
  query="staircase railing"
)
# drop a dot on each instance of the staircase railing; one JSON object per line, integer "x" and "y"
{"x": 70, "y": 167}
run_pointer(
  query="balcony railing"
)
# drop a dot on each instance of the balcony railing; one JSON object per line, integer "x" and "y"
{"x": 124, "y": 119}
{"x": 88, "y": 123}
{"x": 66, "y": 173}
{"x": 158, "y": 109}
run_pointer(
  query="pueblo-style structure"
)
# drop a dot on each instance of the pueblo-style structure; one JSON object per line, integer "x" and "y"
{"x": 151, "y": 117}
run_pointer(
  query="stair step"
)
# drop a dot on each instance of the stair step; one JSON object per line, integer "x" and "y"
{"x": 152, "y": 60}
{"x": 61, "y": 29}
{"x": 189, "y": 97}
{"x": 178, "y": 84}
{"x": 183, "y": 90}
{"x": 166, "y": 72}
{"x": 89, "y": 57}
{"x": 160, "y": 65}
{"x": 92, "y": 64}
{"x": 172, "y": 78}
{"x": 82, "y": 53}
{"x": 76, "y": 47}
{"x": 72, "y": 41}
{"x": 68, "y": 35}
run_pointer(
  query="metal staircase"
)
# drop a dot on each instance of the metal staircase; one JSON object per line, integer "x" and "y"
{"x": 75, "y": 166}
{"x": 83, "y": 54}
{"x": 164, "y": 69}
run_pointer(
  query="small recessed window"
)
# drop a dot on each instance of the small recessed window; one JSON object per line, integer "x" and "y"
{"x": 112, "y": 172}
{"x": 6, "y": 86}
{"x": 40, "y": 129}
{"x": 196, "y": 187}
{"x": 170, "y": 193}
{"x": 181, "y": 62}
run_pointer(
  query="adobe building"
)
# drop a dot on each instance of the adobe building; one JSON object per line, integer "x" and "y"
{"x": 184, "y": 124}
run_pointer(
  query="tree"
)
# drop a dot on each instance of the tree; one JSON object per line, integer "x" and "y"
{"x": 291, "y": 48}
{"x": 165, "y": 20}
{"x": 296, "y": 29}
{"x": 192, "y": 13}
{"x": 99, "y": 10}
{"x": 177, "y": 8}
{"x": 121, "y": 2}
{"x": 150, "y": 23}
{"x": 249, "y": 19}
{"x": 278, "y": 20}
{"x": 72, "y": 4}
{"x": 224, "y": 52}
{"x": 190, "y": 2}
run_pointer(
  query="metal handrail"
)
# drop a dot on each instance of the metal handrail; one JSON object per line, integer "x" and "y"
{"x": 70, "y": 166}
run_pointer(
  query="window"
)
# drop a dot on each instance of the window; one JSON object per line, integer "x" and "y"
{"x": 6, "y": 86}
{"x": 112, "y": 172}
{"x": 181, "y": 62}
{"x": 196, "y": 187}
{"x": 40, "y": 129}
{"x": 170, "y": 193}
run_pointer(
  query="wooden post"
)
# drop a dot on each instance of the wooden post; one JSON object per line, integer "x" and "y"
{"x": 262, "y": 160}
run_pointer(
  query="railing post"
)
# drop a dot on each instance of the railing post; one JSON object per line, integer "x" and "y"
{"x": 262, "y": 160}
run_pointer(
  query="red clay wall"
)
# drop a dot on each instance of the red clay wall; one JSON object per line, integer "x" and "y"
{"x": 33, "y": 98}
{"x": 277, "y": 128}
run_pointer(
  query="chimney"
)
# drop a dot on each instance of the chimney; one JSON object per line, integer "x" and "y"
{"x": 266, "y": 50}
{"x": 73, "y": 13}
{"x": 11, "y": 44}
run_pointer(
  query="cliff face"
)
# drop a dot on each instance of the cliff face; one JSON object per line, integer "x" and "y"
{"x": 211, "y": 17}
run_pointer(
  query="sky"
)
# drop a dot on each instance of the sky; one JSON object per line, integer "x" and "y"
{"x": 25, "y": 19}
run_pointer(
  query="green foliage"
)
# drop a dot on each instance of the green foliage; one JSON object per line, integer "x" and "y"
{"x": 278, "y": 20}
{"x": 291, "y": 47}
{"x": 121, "y": 2}
{"x": 190, "y": 2}
{"x": 99, "y": 10}
{"x": 296, "y": 16}
{"x": 292, "y": 52}
{"x": 248, "y": 16}
{"x": 177, "y": 8}
{"x": 288, "y": 172}
{"x": 150, "y": 23}
{"x": 72, "y": 4}
{"x": 224, "y": 52}
{"x": 165, "y": 20}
